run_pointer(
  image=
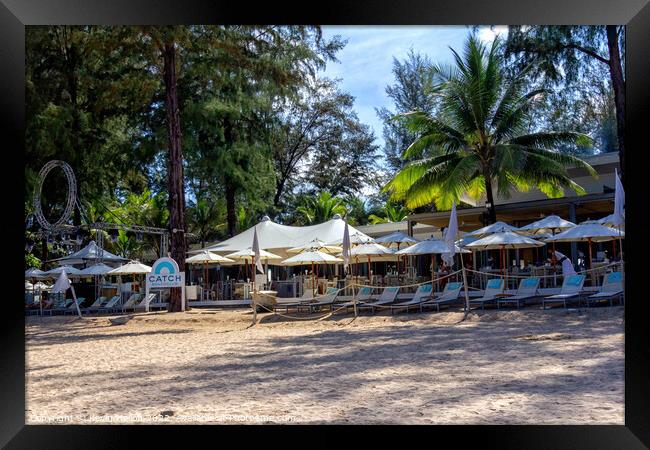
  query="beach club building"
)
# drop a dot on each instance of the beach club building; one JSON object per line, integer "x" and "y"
{"x": 522, "y": 208}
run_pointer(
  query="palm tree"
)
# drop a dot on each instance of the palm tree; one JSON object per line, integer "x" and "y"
{"x": 322, "y": 208}
{"x": 391, "y": 213}
{"x": 479, "y": 138}
{"x": 205, "y": 217}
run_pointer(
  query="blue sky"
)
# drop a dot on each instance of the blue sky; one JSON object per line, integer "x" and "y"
{"x": 366, "y": 62}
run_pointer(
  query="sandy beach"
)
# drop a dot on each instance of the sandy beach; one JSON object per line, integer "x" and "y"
{"x": 497, "y": 367}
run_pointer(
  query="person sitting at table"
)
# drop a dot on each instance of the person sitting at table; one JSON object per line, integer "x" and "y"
{"x": 561, "y": 258}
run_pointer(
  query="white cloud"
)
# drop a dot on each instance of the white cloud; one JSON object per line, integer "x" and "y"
{"x": 487, "y": 34}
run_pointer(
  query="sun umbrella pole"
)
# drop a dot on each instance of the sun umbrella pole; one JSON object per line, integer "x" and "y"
{"x": 369, "y": 275}
{"x": 313, "y": 280}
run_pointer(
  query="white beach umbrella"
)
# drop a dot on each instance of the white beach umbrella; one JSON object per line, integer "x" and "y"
{"x": 69, "y": 270}
{"x": 96, "y": 269}
{"x": 496, "y": 227}
{"x": 28, "y": 286}
{"x": 429, "y": 246}
{"x": 311, "y": 257}
{"x": 609, "y": 221}
{"x": 248, "y": 253}
{"x": 131, "y": 268}
{"x": 372, "y": 251}
{"x": 589, "y": 232}
{"x": 552, "y": 224}
{"x": 398, "y": 237}
{"x": 504, "y": 241}
{"x": 207, "y": 257}
{"x": 316, "y": 244}
{"x": 33, "y": 272}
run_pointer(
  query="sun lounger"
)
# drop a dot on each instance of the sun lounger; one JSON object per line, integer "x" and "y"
{"x": 72, "y": 309}
{"x": 448, "y": 296}
{"x": 145, "y": 303}
{"x": 493, "y": 288}
{"x": 421, "y": 295}
{"x": 387, "y": 297}
{"x": 131, "y": 302}
{"x": 326, "y": 301}
{"x": 60, "y": 305}
{"x": 527, "y": 290}
{"x": 571, "y": 288}
{"x": 96, "y": 305}
{"x": 364, "y": 295}
{"x": 612, "y": 288}
{"x": 303, "y": 301}
{"x": 111, "y": 305}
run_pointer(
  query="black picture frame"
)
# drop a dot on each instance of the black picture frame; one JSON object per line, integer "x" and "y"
{"x": 635, "y": 14}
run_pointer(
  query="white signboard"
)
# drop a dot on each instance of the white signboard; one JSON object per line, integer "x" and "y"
{"x": 165, "y": 274}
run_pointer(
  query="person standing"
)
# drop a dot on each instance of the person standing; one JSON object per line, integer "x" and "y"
{"x": 561, "y": 258}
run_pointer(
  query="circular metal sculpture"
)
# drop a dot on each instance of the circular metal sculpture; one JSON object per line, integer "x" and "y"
{"x": 71, "y": 200}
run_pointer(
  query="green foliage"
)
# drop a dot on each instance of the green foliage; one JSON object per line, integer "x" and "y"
{"x": 32, "y": 261}
{"x": 322, "y": 208}
{"x": 572, "y": 64}
{"x": 126, "y": 245}
{"x": 479, "y": 137}
{"x": 390, "y": 213}
{"x": 410, "y": 92}
{"x": 319, "y": 144}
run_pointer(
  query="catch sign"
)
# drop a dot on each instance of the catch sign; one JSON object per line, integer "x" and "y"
{"x": 165, "y": 274}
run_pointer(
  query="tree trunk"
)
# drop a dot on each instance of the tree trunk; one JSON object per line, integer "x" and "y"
{"x": 492, "y": 214}
{"x": 618, "y": 83}
{"x": 231, "y": 217}
{"x": 175, "y": 185}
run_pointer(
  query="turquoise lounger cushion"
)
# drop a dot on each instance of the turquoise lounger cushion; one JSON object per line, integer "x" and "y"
{"x": 425, "y": 288}
{"x": 529, "y": 282}
{"x": 614, "y": 277}
{"x": 364, "y": 290}
{"x": 453, "y": 286}
{"x": 392, "y": 289}
{"x": 574, "y": 280}
{"x": 495, "y": 283}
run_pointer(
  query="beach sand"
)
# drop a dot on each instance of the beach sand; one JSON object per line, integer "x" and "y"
{"x": 497, "y": 367}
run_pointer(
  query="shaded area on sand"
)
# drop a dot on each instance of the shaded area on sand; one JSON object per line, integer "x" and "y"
{"x": 527, "y": 367}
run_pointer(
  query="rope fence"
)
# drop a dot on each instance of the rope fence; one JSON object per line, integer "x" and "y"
{"x": 335, "y": 308}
